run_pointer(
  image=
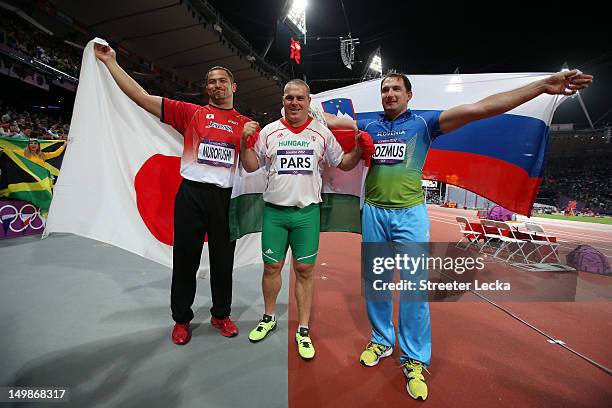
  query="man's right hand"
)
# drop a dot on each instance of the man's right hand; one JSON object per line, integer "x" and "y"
{"x": 150, "y": 103}
{"x": 249, "y": 129}
{"x": 248, "y": 158}
{"x": 104, "y": 53}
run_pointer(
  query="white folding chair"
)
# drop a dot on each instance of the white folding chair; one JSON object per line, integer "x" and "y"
{"x": 509, "y": 240}
{"x": 469, "y": 237}
{"x": 540, "y": 239}
{"x": 492, "y": 234}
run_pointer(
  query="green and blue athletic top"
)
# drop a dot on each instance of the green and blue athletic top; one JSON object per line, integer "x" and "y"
{"x": 401, "y": 145}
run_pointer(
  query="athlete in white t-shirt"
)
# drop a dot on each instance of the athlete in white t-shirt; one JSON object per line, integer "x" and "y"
{"x": 292, "y": 152}
{"x": 285, "y": 151}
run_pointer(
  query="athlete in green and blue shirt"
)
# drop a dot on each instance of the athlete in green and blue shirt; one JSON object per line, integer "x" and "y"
{"x": 394, "y": 209}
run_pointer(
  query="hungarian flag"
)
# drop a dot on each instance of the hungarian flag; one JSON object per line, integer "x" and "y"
{"x": 341, "y": 194}
{"x": 23, "y": 179}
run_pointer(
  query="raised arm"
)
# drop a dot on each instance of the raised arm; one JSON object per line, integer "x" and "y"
{"x": 127, "y": 84}
{"x": 248, "y": 157}
{"x": 57, "y": 152}
{"x": 334, "y": 122}
{"x": 562, "y": 83}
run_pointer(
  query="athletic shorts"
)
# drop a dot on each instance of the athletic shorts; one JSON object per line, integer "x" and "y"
{"x": 290, "y": 226}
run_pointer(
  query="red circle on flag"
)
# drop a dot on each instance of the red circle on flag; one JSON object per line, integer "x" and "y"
{"x": 156, "y": 185}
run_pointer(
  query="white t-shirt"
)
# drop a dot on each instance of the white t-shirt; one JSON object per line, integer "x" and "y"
{"x": 292, "y": 159}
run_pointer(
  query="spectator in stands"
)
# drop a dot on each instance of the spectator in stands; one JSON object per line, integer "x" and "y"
{"x": 44, "y": 125}
{"x": 41, "y": 133}
{"x": 22, "y": 36}
{"x": 35, "y": 44}
{"x": 55, "y": 131}
{"x": 35, "y": 154}
{"x": 584, "y": 179}
{"x": 27, "y": 131}
{"x": 5, "y": 130}
{"x": 14, "y": 129}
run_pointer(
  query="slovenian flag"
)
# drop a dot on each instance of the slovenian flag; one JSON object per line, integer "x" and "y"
{"x": 500, "y": 158}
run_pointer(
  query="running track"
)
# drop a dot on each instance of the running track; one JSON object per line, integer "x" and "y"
{"x": 482, "y": 355}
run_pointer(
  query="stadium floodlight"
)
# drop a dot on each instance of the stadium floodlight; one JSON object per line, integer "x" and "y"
{"x": 297, "y": 15}
{"x": 376, "y": 64}
{"x": 373, "y": 68}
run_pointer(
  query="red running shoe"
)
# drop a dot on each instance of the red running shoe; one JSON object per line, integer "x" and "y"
{"x": 225, "y": 326}
{"x": 180, "y": 334}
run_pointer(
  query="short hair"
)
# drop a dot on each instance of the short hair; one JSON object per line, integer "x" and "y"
{"x": 297, "y": 82}
{"x": 219, "y": 68}
{"x": 399, "y": 75}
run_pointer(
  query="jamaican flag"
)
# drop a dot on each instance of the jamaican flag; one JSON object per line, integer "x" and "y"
{"x": 23, "y": 179}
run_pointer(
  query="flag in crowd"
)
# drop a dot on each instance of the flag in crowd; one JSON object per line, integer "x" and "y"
{"x": 23, "y": 179}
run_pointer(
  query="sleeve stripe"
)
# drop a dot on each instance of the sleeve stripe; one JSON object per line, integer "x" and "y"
{"x": 426, "y": 127}
{"x": 162, "y": 110}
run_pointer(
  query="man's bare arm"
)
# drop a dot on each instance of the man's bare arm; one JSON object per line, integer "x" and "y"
{"x": 334, "y": 122}
{"x": 562, "y": 83}
{"x": 127, "y": 84}
{"x": 350, "y": 160}
{"x": 248, "y": 157}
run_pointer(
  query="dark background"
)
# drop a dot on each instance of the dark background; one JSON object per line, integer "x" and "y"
{"x": 440, "y": 37}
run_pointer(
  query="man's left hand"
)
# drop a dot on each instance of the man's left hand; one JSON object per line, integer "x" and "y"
{"x": 567, "y": 82}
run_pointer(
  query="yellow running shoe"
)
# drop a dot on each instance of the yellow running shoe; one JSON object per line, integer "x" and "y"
{"x": 373, "y": 353}
{"x": 305, "y": 347}
{"x": 416, "y": 386}
{"x": 265, "y": 326}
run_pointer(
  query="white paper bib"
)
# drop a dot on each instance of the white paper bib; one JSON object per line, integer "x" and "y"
{"x": 295, "y": 161}
{"x": 389, "y": 151}
{"x": 216, "y": 153}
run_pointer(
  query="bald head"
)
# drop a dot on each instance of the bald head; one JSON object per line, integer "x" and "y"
{"x": 296, "y": 82}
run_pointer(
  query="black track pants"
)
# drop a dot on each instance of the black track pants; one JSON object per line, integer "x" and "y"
{"x": 201, "y": 208}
